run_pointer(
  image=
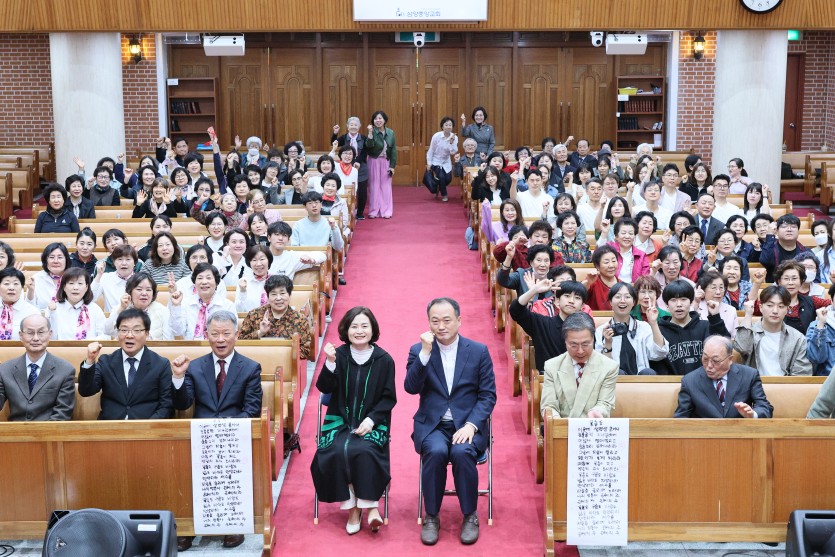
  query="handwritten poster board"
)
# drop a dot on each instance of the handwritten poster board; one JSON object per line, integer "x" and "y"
{"x": 598, "y": 481}
{"x": 221, "y": 472}
{"x": 420, "y": 10}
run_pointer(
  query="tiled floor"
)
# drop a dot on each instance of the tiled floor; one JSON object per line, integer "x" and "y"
{"x": 686, "y": 550}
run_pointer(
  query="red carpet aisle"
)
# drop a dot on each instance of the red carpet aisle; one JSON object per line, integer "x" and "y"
{"x": 396, "y": 266}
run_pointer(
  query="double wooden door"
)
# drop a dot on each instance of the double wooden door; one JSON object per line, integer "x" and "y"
{"x": 284, "y": 93}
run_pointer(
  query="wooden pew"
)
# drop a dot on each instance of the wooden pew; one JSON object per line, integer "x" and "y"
{"x": 24, "y": 183}
{"x": 649, "y": 396}
{"x": 44, "y": 157}
{"x": 707, "y": 480}
{"x": 91, "y": 464}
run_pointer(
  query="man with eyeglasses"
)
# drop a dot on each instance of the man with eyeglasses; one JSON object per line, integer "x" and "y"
{"x": 581, "y": 382}
{"x": 134, "y": 381}
{"x": 673, "y": 199}
{"x": 705, "y": 219}
{"x": 38, "y": 385}
{"x": 783, "y": 246}
{"x": 721, "y": 389}
{"x": 723, "y": 209}
{"x": 223, "y": 384}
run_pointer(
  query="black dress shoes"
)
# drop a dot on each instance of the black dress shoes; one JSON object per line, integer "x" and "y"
{"x": 429, "y": 531}
{"x": 469, "y": 529}
{"x": 184, "y": 543}
{"x": 238, "y": 539}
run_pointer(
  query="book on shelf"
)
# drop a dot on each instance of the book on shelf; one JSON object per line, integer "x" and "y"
{"x": 185, "y": 107}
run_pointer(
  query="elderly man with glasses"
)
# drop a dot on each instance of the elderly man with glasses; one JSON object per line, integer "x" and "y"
{"x": 721, "y": 389}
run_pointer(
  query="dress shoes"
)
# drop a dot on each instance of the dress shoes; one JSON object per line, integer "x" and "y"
{"x": 469, "y": 529}
{"x": 430, "y": 529}
{"x": 233, "y": 541}
{"x": 374, "y": 520}
{"x": 353, "y": 527}
{"x": 184, "y": 543}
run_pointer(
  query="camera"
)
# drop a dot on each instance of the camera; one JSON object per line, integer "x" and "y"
{"x": 420, "y": 39}
{"x": 597, "y": 38}
{"x": 620, "y": 328}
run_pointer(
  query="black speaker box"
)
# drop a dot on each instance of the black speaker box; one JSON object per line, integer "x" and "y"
{"x": 811, "y": 533}
{"x": 88, "y": 532}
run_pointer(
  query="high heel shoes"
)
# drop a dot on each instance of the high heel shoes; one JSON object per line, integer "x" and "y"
{"x": 353, "y": 528}
{"x": 374, "y": 520}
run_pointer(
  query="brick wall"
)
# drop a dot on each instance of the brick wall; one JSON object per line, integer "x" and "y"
{"x": 26, "y": 90}
{"x": 139, "y": 87}
{"x": 695, "y": 96}
{"x": 818, "y": 117}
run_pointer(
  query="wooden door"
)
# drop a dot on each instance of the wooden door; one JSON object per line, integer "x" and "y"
{"x": 793, "y": 111}
{"x": 542, "y": 94}
{"x": 441, "y": 82}
{"x": 589, "y": 112}
{"x": 392, "y": 79}
{"x": 489, "y": 86}
{"x": 244, "y": 96}
{"x": 343, "y": 92}
{"x": 292, "y": 105}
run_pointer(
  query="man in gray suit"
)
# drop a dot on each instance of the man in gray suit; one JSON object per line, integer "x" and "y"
{"x": 720, "y": 389}
{"x": 38, "y": 385}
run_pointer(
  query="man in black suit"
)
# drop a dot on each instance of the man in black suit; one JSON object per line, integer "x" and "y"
{"x": 223, "y": 384}
{"x": 720, "y": 389}
{"x": 582, "y": 155}
{"x": 562, "y": 170}
{"x": 135, "y": 382}
{"x": 356, "y": 140}
{"x": 709, "y": 225}
{"x": 454, "y": 378}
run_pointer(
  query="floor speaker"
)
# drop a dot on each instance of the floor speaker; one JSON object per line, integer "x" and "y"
{"x": 88, "y": 532}
{"x": 811, "y": 533}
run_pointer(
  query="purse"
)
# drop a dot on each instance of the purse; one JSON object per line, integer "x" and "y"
{"x": 430, "y": 181}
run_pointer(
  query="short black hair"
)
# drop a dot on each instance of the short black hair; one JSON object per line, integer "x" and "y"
{"x": 618, "y": 286}
{"x": 137, "y": 278}
{"x": 444, "y": 300}
{"x": 332, "y": 176}
{"x": 53, "y": 187}
{"x": 280, "y": 228}
{"x": 74, "y": 273}
{"x": 483, "y": 111}
{"x": 198, "y": 247}
{"x": 278, "y": 281}
{"x": 200, "y": 267}
{"x": 88, "y": 232}
{"x": 311, "y": 197}
{"x": 775, "y": 290}
{"x": 154, "y": 255}
{"x": 543, "y": 225}
{"x": 678, "y": 289}
{"x": 52, "y": 247}
{"x": 689, "y": 231}
{"x": 562, "y": 217}
{"x": 680, "y": 215}
{"x": 326, "y": 158}
{"x": 598, "y": 254}
{"x": 667, "y": 251}
{"x": 626, "y": 221}
{"x": 164, "y": 218}
{"x": 640, "y": 216}
{"x": 732, "y": 258}
{"x": 758, "y": 218}
{"x": 572, "y": 287}
{"x": 348, "y": 318}
{"x": 788, "y": 219}
{"x": 231, "y": 232}
{"x": 193, "y": 157}
{"x": 669, "y": 166}
{"x": 709, "y": 276}
{"x": 133, "y": 313}
{"x": 216, "y": 215}
{"x": 252, "y": 251}
{"x": 554, "y": 272}
{"x": 10, "y": 271}
{"x": 541, "y": 248}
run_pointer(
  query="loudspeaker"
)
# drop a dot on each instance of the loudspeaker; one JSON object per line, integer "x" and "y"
{"x": 811, "y": 533}
{"x": 89, "y": 532}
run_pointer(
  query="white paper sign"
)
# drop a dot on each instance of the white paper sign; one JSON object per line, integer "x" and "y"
{"x": 420, "y": 10}
{"x": 221, "y": 472}
{"x": 598, "y": 481}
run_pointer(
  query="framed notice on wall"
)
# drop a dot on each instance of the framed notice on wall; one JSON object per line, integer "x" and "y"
{"x": 420, "y": 10}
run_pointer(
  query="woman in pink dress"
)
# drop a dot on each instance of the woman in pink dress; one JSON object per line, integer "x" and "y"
{"x": 382, "y": 158}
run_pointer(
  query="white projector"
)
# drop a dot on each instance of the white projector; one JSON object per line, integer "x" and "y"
{"x": 223, "y": 45}
{"x": 626, "y": 43}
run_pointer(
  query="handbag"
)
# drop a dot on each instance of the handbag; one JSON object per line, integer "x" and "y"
{"x": 430, "y": 181}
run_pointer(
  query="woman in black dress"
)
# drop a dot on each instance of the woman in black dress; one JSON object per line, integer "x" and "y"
{"x": 351, "y": 465}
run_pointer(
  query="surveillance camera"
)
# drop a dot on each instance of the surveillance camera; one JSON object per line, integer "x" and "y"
{"x": 419, "y": 39}
{"x": 597, "y": 38}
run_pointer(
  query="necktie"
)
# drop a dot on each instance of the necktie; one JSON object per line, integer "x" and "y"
{"x": 6, "y": 323}
{"x": 131, "y": 371}
{"x": 704, "y": 229}
{"x": 221, "y": 377}
{"x": 200, "y": 326}
{"x": 720, "y": 392}
{"x": 580, "y": 372}
{"x": 83, "y": 325}
{"x": 33, "y": 377}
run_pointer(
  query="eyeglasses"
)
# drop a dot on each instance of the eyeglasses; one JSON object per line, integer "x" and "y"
{"x": 576, "y": 345}
{"x": 131, "y": 332}
{"x": 714, "y": 361}
{"x": 671, "y": 175}
{"x": 43, "y": 333}
{"x": 720, "y": 186}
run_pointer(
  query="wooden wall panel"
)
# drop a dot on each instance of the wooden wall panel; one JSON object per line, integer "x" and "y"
{"x": 336, "y": 15}
{"x": 392, "y": 84}
{"x": 592, "y": 111}
{"x": 343, "y": 88}
{"x": 292, "y": 75}
{"x": 243, "y": 97}
{"x": 540, "y": 88}
{"x": 492, "y": 71}
{"x": 442, "y": 81}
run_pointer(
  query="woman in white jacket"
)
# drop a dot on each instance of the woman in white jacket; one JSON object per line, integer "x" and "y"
{"x": 443, "y": 146}
{"x": 644, "y": 341}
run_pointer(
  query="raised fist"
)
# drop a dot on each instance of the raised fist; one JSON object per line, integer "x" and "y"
{"x": 426, "y": 340}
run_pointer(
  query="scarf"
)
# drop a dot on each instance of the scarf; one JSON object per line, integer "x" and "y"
{"x": 263, "y": 293}
{"x": 200, "y": 326}
{"x": 83, "y": 324}
{"x": 331, "y": 198}
{"x": 57, "y": 280}
{"x": 346, "y": 168}
{"x": 155, "y": 208}
{"x": 353, "y": 140}
{"x": 6, "y": 319}
{"x": 628, "y": 357}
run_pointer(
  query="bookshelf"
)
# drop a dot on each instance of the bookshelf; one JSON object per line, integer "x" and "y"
{"x": 641, "y": 114}
{"x": 192, "y": 108}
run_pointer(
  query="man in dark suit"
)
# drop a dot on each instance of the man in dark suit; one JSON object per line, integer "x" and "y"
{"x": 582, "y": 155}
{"x": 135, "y": 383}
{"x": 720, "y": 389}
{"x": 38, "y": 385}
{"x": 356, "y": 140}
{"x": 562, "y": 170}
{"x": 223, "y": 384}
{"x": 454, "y": 378}
{"x": 709, "y": 225}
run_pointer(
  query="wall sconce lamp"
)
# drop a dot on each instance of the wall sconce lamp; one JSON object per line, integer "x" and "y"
{"x": 135, "y": 48}
{"x": 698, "y": 47}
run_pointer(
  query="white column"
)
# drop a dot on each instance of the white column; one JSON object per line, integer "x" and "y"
{"x": 748, "y": 109}
{"x": 86, "y": 98}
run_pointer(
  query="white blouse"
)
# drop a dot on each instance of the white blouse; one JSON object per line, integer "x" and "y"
{"x": 252, "y": 298}
{"x": 440, "y": 151}
{"x": 160, "y": 322}
{"x": 45, "y": 290}
{"x": 64, "y": 321}
{"x": 21, "y": 309}
{"x": 186, "y": 286}
{"x": 232, "y": 275}
{"x": 113, "y": 288}
{"x": 184, "y": 316}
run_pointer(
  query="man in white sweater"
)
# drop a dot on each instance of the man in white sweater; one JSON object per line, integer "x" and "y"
{"x": 313, "y": 230}
{"x": 289, "y": 262}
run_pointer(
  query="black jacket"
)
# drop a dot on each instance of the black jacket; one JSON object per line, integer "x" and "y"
{"x": 685, "y": 353}
{"x": 65, "y": 222}
{"x": 545, "y": 333}
{"x": 85, "y": 208}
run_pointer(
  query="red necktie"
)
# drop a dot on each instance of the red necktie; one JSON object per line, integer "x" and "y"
{"x": 580, "y": 372}
{"x": 221, "y": 377}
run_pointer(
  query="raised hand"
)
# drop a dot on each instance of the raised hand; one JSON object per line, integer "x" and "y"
{"x": 666, "y": 237}
{"x": 93, "y": 351}
{"x": 330, "y": 352}
{"x": 542, "y": 286}
{"x": 713, "y": 307}
{"x": 370, "y": 131}
{"x": 335, "y": 145}
{"x": 179, "y": 366}
{"x": 336, "y": 129}
{"x": 141, "y": 197}
{"x": 426, "y": 340}
{"x": 172, "y": 282}
{"x": 242, "y": 285}
{"x": 711, "y": 256}
{"x": 52, "y": 305}
{"x": 79, "y": 162}
{"x": 128, "y": 173}
{"x": 748, "y": 306}
{"x": 483, "y": 156}
{"x": 758, "y": 276}
{"x": 821, "y": 315}
{"x": 604, "y": 227}
{"x": 121, "y": 157}
{"x": 124, "y": 302}
{"x": 510, "y": 249}
{"x": 264, "y": 324}
{"x": 655, "y": 266}
{"x": 463, "y": 120}
{"x": 700, "y": 294}
{"x": 100, "y": 265}
{"x": 592, "y": 276}
{"x": 176, "y": 297}
{"x": 772, "y": 228}
{"x": 652, "y": 314}
{"x": 166, "y": 197}
{"x": 178, "y": 192}
{"x": 457, "y": 157}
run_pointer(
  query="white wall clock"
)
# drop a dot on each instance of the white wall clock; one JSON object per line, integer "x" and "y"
{"x": 760, "y": 6}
